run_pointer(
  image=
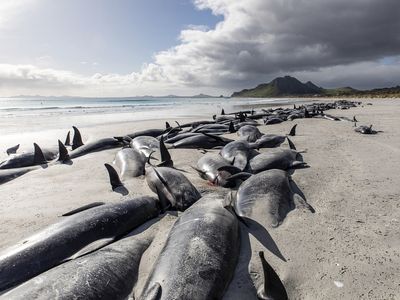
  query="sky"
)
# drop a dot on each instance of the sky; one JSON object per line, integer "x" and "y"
{"x": 103, "y": 48}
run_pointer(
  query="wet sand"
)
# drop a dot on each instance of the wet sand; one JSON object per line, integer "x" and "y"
{"x": 349, "y": 248}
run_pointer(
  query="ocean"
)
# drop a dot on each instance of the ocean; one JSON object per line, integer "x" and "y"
{"x": 27, "y": 120}
{"x": 28, "y": 106}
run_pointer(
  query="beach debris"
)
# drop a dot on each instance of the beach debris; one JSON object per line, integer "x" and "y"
{"x": 339, "y": 284}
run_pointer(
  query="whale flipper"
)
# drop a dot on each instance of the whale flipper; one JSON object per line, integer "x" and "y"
{"x": 272, "y": 288}
{"x": 82, "y": 208}
{"x": 38, "y": 157}
{"x": 12, "y": 150}
{"x": 298, "y": 165}
{"x": 291, "y": 145}
{"x": 77, "y": 140}
{"x": 63, "y": 155}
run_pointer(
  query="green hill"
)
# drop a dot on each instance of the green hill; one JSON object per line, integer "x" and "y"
{"x": 281, "y": 86}
{"x": 291, "y": 87}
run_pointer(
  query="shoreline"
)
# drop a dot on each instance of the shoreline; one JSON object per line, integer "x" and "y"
{"x": 349, "y": 248}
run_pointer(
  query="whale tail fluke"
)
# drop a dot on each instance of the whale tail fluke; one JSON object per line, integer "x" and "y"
{"x": 77, "y": 140}
{"x": 38, "y": 157}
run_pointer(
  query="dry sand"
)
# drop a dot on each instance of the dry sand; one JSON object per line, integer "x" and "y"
{"x": 348, "y": 249}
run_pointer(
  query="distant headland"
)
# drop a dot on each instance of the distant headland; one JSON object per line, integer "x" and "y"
{"x": 291, "y": 87}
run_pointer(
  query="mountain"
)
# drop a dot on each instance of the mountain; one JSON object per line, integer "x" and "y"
{"x": 291, "y": 87}
{"x": 281, "y": 86}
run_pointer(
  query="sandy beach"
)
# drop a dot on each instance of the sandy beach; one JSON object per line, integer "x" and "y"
{"x": 348, "y": 249}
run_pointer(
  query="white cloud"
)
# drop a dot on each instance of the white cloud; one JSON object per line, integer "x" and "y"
{"x": 330, "y": 42}
{"x": 10, "y": 9}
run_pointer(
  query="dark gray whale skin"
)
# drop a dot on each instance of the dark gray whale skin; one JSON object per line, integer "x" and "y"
{"x": 208, "y": 167}
{"x": 99, "y": 145}
{"x": 267, "y": 197}
{"x": 10, "y": 174}
{"x": 201, "y": 141}
{"x": 148, "y": 132}
{"x": 27, "y": 159}
{"x": 108, "y": 273}
{"x": 200, "y": 255}
{"x": 173, "y": 186}
{"x": 181, "y": 136}
{"x": 130, "y": 162}
{"x": 59, "y": 241}
{"x": 276, "y": 158}
{"x": 240, "y": 151}
{"x": 249, "y": 133}
{"x": 268, "y": 141}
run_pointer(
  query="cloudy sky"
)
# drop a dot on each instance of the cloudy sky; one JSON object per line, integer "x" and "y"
{"x": 158, "y": 47}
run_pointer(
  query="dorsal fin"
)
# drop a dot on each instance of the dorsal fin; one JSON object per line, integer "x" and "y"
{"x": 272, "y": 287}
{"x": 115, "y": 181}
{"x": 63, "y": 155}
{"x": 231, "y": 127}
{"x": 77, "y": 140}
{"x": 68, "y": 139}
{"x": 82, "y": 208}
{"x": 291, "y": 145}
{"x": 167, "y": 125}
{"x": 12, "y": 150}
{"x": 38, "y": 157}
{"x": 165, "y": 156}
{"x": 293, "y": 130}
